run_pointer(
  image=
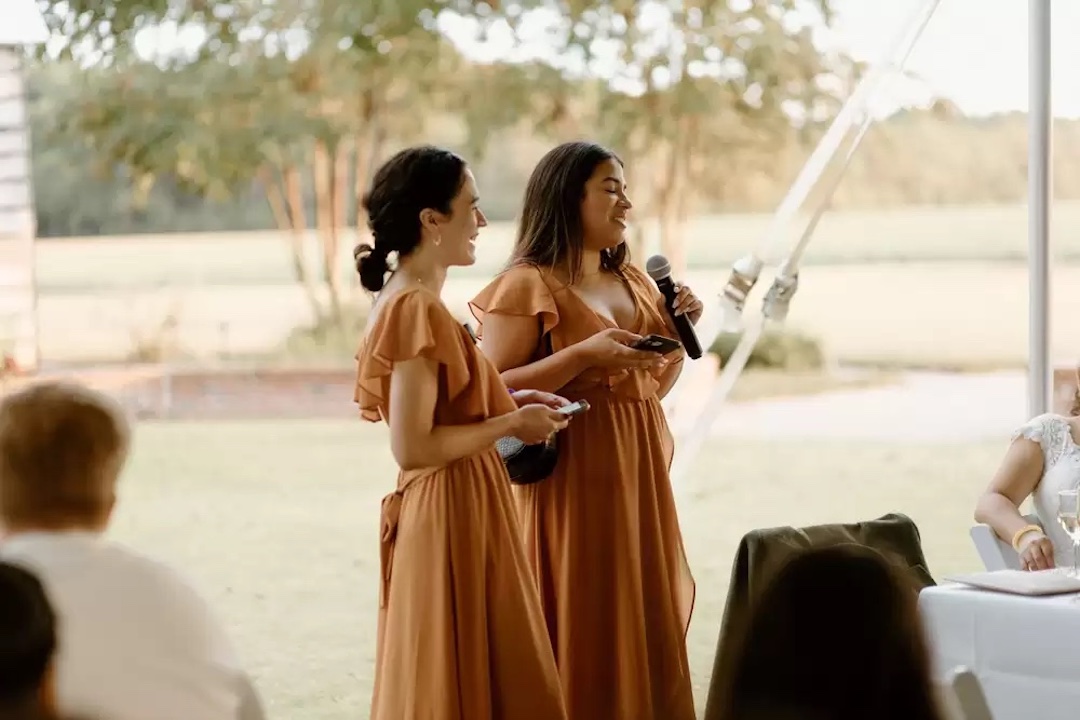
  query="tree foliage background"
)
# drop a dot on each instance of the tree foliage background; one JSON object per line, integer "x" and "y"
{"x": 177, "y": 115}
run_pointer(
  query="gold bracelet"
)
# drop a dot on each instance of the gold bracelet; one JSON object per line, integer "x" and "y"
{"x": 1022, "y": 532}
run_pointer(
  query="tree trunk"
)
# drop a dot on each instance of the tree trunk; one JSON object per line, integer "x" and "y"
{"x": 673, "y": 200}
{"x": 340, "y": 210}
{"x": 324, "y": 225}
{"x": 278, "y": 208}
{"x": 368, "y": 148}
{"x": 291, "y": 213}
{"x": 342, "y": 155}
{"x": 665, "y": 207}
{"x": 683, "y": 196}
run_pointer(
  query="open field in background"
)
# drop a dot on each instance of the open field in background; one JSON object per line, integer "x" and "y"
{"x": 278, "y": 524}
{"x": 966, "y": 315}
{"x": 926, "y": 286}
{"x": 993, "y": 233}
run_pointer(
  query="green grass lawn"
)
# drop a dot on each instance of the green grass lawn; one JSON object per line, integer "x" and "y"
{"x": 933, "y": 287}
{"x": 958, "y": 315}
{"x": 899, "y": 235}
{"x": 277, "y": 522}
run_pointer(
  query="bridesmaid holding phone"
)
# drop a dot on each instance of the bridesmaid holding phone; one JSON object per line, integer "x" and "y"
{"x": 601, "y": 532}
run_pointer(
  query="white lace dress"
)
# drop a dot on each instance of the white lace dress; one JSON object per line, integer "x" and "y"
{"x": 1061, "y": 471}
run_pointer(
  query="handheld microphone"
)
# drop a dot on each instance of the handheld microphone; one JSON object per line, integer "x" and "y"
{"x": 659, "y": 270}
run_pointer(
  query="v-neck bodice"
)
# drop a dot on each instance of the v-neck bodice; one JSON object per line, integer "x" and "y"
{"x": 607, "y": 322}
{"x": 568, "y": 319}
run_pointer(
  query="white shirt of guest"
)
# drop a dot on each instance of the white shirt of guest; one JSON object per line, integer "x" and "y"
{"x": 136, "y": 642}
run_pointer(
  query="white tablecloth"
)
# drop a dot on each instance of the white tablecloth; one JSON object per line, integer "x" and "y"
{"x": 1024, "y": 650}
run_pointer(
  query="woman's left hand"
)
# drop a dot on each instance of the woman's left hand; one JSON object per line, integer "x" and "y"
{"x": 686, "y": 303}
{"x": 533, "y": 397}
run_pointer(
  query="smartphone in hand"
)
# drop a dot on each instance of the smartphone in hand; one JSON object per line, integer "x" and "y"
{"x": 575, "y": 408}
{"x": 657, "y": 344}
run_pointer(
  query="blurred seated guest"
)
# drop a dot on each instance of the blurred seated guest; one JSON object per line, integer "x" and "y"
{"x": 834, "y": 635}
{"x": 136, "y": 641}
{"x": 1042, "y": 460}
{"x": 27, "y": 645}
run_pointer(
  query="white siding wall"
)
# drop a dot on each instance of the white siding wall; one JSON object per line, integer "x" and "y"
{"x": 18, "y": 331}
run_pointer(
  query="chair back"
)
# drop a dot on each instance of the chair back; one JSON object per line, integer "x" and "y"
{"x": 762, "y": 552}
{"x": 963, "y": 696}
{"x": 995, "y": 553}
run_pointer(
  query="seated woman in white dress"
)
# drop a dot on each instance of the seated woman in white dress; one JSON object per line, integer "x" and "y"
{"x": 1042, "y": 460}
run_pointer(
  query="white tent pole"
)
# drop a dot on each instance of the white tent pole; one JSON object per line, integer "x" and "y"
{"x": 1040, "y": 132}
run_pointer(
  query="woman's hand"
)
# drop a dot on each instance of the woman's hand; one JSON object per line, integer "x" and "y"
{"x": 535, "y": 423}
{"x": 611, "y": 349}
{"x": 1036, "y": 552}
{"x": 536, "y": 397}
{"x": 686, "y": 303}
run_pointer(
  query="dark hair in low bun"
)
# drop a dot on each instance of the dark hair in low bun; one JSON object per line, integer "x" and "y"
{"x": 371, "y": 266}
{"x": 413, "y": 180}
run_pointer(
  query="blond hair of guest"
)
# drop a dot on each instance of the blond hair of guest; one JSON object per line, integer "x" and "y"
{"x": 137, "y": 640}
{"x": 62, "y": 447}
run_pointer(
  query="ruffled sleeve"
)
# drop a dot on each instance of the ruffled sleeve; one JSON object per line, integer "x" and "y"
{"x": 413, "y": 324}
{"x": 520, "y": 291}
{"x": 1050, "y": 431}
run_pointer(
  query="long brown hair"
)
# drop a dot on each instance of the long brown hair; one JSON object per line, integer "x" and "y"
{"x": 835, "y": 634}
{"x": 550, "y": 232}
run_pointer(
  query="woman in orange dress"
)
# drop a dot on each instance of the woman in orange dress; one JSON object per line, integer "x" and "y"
{"x": 461, "y": 633}
{"x": 601, "y": 532}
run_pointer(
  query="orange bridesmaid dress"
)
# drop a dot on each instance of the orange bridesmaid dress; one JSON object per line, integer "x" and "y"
{"x": 460, "y": 633}
{"x": 601, "y": 532}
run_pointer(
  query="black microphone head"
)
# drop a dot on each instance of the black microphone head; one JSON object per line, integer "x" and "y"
{"x": 658, "y": 267}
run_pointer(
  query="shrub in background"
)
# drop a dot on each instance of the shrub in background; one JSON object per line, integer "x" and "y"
{"x": 781, "y": 349}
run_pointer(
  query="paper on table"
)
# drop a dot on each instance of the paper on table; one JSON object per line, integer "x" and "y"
{"x": 1021, "y": 582}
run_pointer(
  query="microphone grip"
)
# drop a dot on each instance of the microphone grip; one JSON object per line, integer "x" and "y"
{"x": 687, "y": 335}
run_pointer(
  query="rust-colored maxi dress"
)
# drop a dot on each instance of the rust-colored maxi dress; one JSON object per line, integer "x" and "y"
{"x": 461, "y": 634}
{"x": 601, "y": 532}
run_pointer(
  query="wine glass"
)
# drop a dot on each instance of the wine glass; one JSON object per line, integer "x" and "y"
{"x": 1069, "y": 518}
